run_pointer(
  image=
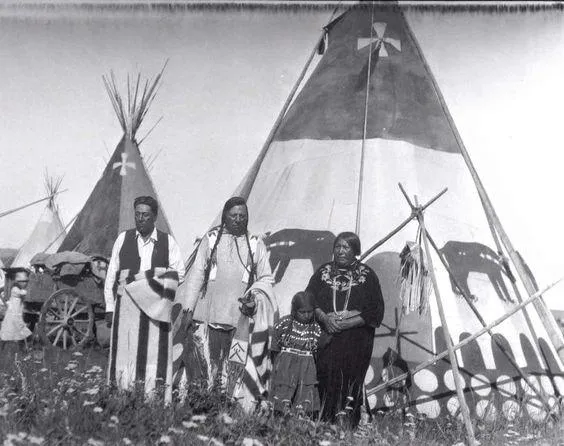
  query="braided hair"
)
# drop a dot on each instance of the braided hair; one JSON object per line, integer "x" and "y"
{"x": 229, "y": 204}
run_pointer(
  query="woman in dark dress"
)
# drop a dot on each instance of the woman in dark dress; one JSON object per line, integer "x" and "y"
{"x": 349, "y": 305}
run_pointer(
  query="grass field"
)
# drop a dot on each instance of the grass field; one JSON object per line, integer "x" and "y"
{"x": 60, "y": 398}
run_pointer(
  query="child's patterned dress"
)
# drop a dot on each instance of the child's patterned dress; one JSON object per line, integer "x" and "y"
{"x": 294, "y": 381}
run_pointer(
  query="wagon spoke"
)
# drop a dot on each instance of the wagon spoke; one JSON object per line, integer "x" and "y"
{"x": 66, "y": 305}
{"x": 73, "y": 338}
{"x": 54, "y": 313}
{"x": 64, "y": 340}
{"x": 82, "y": 333}
{"x": 80, "y": 310}
{"x": 58, "y": 336}
{"x": 74, "y": 302}
{"x": 54, "y": 328}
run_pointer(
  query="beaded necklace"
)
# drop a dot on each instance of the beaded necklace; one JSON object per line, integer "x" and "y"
{"x": 334, "y": 286}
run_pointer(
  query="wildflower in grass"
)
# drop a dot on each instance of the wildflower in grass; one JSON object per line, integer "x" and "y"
{"x": 43, "y": 370}
{"x": 97, "y": 409}
{"x": 77, "y": 354}
{"x": 324, "y": 443}
{"x": 189, "y": 424}
{"x": 175, "y": 430}
{"x": 199, "y": 418}
{"x": 35, "y": 440}
{"x": 92, "y": 391}
{"x": 164, "y": 439}
{"x": 93, "y": 442}
{"x": 226, "y": 419}
{"x": 94, "y": 369}
{"x": 88, "y": 403}
{"x": 251, "y": 442}
{"x": 127, "y": 441}
{"x": 203, "y": 438}
{"x": 70, "y": 391}
{"x": 114, "y": 419}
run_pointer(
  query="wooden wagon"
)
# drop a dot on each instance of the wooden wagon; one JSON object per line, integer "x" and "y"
{"x": 65, "y": 298}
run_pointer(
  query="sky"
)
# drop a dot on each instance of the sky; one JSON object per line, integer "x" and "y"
{"x": 228, "y": 75}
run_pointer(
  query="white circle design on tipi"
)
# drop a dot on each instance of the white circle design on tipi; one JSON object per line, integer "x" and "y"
{"x": 372, "y": 400}
{"x": 510, "y": 410}
{"x": 453, "y": 406}
{"x": 546, "y": 384}
{"x": 481, "y": 385}
{"x": 426, "y": 380}
{"x": 389, "y": 399}
{"x": 449, "y": 380}
{"x": 369, "y": 375}
{"x": 428, "y": 407}
{"x": 559, "y": 383}
{"x": 485, "y": 410}
{"x": 536, "y": 410}
{"x": 506, "y": 386}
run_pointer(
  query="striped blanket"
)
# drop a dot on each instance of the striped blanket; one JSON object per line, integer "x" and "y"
{"x": 141, "y": 339}
{"x": 250, "y": 349}
{"x": 249, "y": 367}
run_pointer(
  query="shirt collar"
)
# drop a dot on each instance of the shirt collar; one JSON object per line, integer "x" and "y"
{"x": 152, "y": 237}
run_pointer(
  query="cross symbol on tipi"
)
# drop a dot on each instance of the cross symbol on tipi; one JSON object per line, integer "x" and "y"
{"x": 123, "y": 164}
{"x": 379, "y": 39}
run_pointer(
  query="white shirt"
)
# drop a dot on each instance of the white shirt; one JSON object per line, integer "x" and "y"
{"x": 145, "y": 249}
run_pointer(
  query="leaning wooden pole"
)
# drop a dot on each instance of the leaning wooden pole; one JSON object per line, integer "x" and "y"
{"x": 550, "y": 325}
{"x": 452, "y": 356}
{"x": 466, "y": 341}
{"x": 483, "y": 323}
{"x": 246, "y": 187}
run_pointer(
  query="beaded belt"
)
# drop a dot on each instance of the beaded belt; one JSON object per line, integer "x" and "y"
{"x": 295, "y": 351}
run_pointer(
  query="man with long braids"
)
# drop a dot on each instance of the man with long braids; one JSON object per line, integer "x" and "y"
{"x": 228, "y": 294}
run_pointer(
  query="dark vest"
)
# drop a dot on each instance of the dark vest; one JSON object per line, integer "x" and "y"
{"x": 129, "y": 254}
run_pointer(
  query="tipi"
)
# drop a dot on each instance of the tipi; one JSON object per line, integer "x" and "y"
{"x": 371, "y": 116}
{"x": 109, "y": 209}
{"x": 49, "y": 231}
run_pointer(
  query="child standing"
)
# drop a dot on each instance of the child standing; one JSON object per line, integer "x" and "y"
{"x": 296, "y": 339}
{"x": 14, "y": 330}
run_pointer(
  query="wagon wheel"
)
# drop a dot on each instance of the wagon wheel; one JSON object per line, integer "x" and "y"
{"x": 67, "y": 320}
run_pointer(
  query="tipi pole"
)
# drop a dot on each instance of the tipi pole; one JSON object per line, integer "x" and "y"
{"x": 11, "y": 211}
{"x": 246, "y": 188}
{"x": 466, "y": 341}
{"x": 550, "y": 324}
{"x": 452, "y": 357}
{"x": 483, "y": 323}
{"x": 365, "y": 124}
{"x": 402, "y": 225}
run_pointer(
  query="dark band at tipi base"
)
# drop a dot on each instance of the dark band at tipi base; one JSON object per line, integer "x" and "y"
{"x": 364, "y": 150}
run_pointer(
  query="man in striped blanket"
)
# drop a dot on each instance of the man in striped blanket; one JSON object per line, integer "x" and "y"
{"x": 143, "y": 275}
{"x": 228, "y": 292}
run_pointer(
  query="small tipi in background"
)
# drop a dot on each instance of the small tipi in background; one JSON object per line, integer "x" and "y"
{"x": 109, "y": 209}
{"x": 49, "y": 231}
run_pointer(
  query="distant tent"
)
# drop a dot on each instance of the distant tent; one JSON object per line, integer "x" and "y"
{"x": 49, "y": 231}
{"x": 371, "y": 116}
{"x": 109, "y": 209}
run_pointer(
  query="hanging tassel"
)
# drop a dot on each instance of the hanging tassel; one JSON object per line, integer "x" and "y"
{"x": 415, "y": 281}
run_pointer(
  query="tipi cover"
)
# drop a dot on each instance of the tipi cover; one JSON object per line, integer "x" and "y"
{"x": 49, "y": 231}
{"x": 109, "y": 209}
{"x": 304, "y": 189}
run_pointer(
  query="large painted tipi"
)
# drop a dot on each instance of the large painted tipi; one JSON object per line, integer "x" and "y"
{"x": 371, "y": 116}
{"x": 49, "y": 231}
{"x": 109, "y": 209}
